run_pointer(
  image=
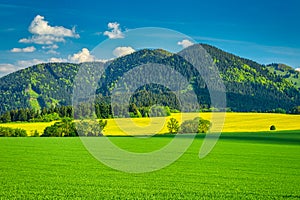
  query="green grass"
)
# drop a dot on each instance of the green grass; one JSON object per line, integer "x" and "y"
{"x": 241, "y": 166}
{"x": 33, "y": 99}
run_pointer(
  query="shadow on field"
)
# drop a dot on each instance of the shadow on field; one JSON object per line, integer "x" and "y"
{"x": 279, "y": 137}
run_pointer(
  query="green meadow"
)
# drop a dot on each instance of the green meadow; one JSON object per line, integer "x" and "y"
{"x": 261, "y": 165}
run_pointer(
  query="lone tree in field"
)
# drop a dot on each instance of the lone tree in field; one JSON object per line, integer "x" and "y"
{"x": 197, "y": 125}
{"x": 173, "y": 125}
{"x": 272, "y": 128}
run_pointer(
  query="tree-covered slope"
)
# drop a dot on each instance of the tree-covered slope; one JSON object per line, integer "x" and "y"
{"x": 249, "y": 85}
{"x": 286, "y": 72}
{"x": 38, "y": 86}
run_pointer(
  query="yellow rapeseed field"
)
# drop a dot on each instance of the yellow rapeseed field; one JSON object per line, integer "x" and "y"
{"x": 29, "y": 127}
{"x": 234, "y": 122}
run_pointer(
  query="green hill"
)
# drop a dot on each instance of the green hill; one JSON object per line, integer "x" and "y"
{"x": 286, "y": 72}
{"x": 250, "y": 86}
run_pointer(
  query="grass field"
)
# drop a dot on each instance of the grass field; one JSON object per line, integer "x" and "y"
{"x": 234, "y": 122}
{"x": 241, "y": 166}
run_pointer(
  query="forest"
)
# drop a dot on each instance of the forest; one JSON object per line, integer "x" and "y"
{"x": 35, "y": 93}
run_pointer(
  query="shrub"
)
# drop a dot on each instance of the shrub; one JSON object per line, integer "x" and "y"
{"x": 10, "y": 132}
{"x": 65, "y": 128}
{"x": 272, "y": 128}
{"x": 173, "y": 125}
{"x": 295, "y": 110}
{"x": 159, "y": 111}
{"x": 35, "y": 134}
{"x": 197, "y": 125}
{"x": 91, "y": 128}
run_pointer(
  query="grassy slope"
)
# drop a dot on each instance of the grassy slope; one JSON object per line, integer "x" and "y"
{"x": 234, "y": 122}
{"x": 295, "y": 81}
{"x": 261, "y": 167}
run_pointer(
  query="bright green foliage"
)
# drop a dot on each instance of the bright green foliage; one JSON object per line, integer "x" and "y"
{"x": 241, "y": 166}
{"x": 35, "y": 134}
{"x": 102, "y": 125}
{"x": 159, "y": 111}
{"x": 64, "y": 128}
{"x": 296, "y": 110}
{"x": 197, "y": 125}
{"x": 286, "y": 72}
{"x": 173, "y": 125}
{"x": 91, "y": 127}
{"x": 12, "y": 132}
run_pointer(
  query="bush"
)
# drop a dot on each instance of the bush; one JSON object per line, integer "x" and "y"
{"x": 10, "y": 132}
{"x": 159, "y": 111}
{"x": 64, "y": 128}
{"x": 295, "y": 110}
{"x": 35, "y": 134}
{"x": 272, "y": 128}
{"x": 197, "y": 125}
{"x": 173, "y": 125}
{"x": 91, "y": 128}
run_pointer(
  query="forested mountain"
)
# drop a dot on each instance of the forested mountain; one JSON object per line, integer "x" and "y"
{"x": 286, "y": 72}
{"x": 250, "y": 86}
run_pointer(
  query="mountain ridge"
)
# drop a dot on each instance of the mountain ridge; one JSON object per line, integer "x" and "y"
{"x": 250, "y": 86}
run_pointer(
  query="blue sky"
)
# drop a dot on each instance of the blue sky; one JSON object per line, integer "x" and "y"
{"x": 265, "y": 31}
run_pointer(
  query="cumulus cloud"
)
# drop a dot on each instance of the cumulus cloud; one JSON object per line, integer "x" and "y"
{"x": 297, "y": 69}
{"x": 39, "y": 26}
{"x": 6, "y": 68}
{"x": 82, "y": 56}
{"x": 23, "y": 50}
{"x": 44, "y": 34}
{"x": 185, "y": 43}
{"x": 115, "y": 32}
{"x": 122, "y": 51}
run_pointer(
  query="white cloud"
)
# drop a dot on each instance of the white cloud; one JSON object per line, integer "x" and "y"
{"x": 40, "y": 27}
{"x": 51, "y": 51}
{"x": 115, "y": 32}
{"x": 28, "y": 63}
{"x": 297, "y": 69}
{"x": 185, "y": 43}
{"x": 57, "y": 60}
{"x": 9, "y": 68}
{"x": 42, "y": 39}
{"x": 82, "y": 56}
{"x": 6, "y": 68}
{"x": 43, "y": 33}
{"x": 122, "y": 51}
{"x": 23, "y": 50}
{"x": 54, "y": 46}
{"x": 51, "y": 48}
